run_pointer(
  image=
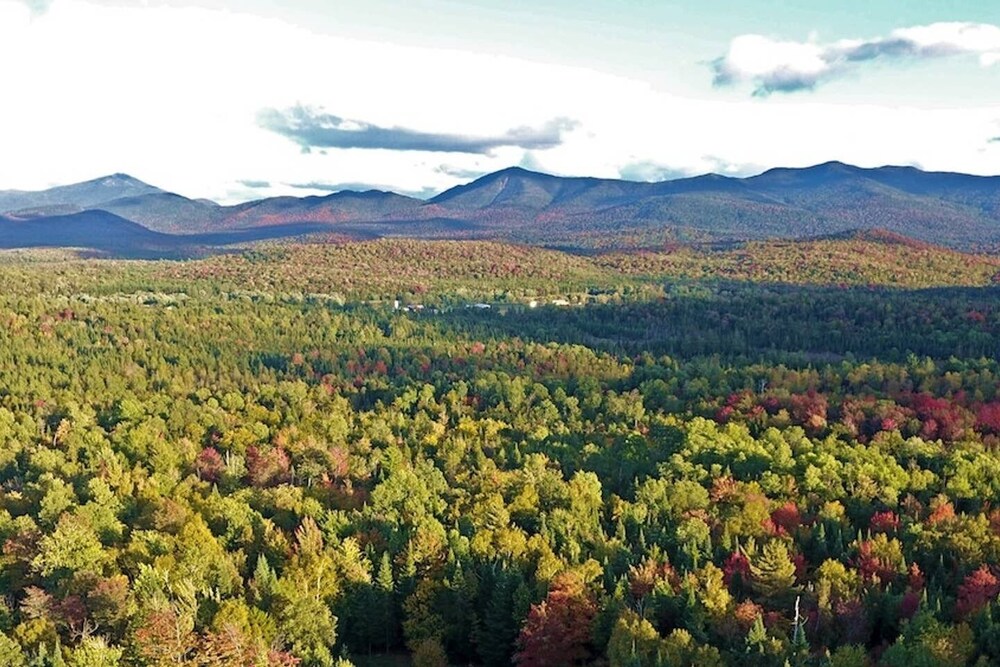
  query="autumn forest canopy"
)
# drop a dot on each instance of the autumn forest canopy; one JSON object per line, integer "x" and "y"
{"x": 402, "y": 452}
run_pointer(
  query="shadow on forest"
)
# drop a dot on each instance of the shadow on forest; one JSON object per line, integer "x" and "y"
{"x": 793, "y": 324}
{"x": 105, "y": 235}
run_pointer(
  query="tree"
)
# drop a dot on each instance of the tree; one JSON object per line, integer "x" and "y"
{"x": 881, "y": 558}
{"x": 384, "y": 611}
{"x": 773, "y": 571}
{"x": 11, "y": 654}
{"x": 209, "y": 465}
{"x": 264, "y": 584}
{"x": 430, "y": 653}
{"x": 634, "y": 640}
{"x": 557, "y": 630}
{"x": 978, "y": 590}
{"x": 850, "y": 655}
{"x": 760, "y": 648}
{"x": 680, "y": 648}
{"x": 94, "y": 652}
{"x": 267, "y": 467}
{"x": 165, "y": 638}
{"x": 422, "y": 617}
{"x": 498, "y": 630}
{"x": 73, "y": 547}
{"x": 929, "y": 643}
{"x": 307, "y": 624}
{"x": 109, "y": 602}
{"x": 227, "y": 647}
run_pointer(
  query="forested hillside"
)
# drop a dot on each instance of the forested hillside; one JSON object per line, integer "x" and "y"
{"x": 261, "y": 459}
{"x": 513, "y": 273}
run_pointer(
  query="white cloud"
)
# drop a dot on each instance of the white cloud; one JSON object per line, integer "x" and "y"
{"x": 315, "y": 128}
{"x": 173, "y": 96}
{"x": 38, "y": 6}
{"x": 787, "y": 66}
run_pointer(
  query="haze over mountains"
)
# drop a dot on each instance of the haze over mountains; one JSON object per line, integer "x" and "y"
{"x": 121, "y": 215}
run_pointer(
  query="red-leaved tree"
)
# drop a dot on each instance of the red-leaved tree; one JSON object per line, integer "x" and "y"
{"x": 209, "y": 464}
{"x": 978, "y": 590}
{"x": 557, "y": 630}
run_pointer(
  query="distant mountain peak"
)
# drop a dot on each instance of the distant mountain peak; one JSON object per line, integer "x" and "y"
{"x": 120, "y": 179}
{"x": 824, "y": 168}
{"x": 363, "y": 194}
{"x": 89, "y": 194}
{"x": 520, "y": 173}
{"x": 956, "y": 210}
{"x": 535, "y": 173}
{"x": 515, "y": 169}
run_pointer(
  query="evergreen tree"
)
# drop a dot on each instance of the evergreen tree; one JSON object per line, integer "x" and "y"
{"x": 384, "y": 608}
{"x": 497, "y": 631}
{"x": 773, "y": 572}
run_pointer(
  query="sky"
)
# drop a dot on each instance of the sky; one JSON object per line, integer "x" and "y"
{"x": 241, "y": 99}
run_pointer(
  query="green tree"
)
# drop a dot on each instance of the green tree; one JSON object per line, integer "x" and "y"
{"x": 11, "y": 654}
{"x": 634, "y": 640}
{"x": 773, "y": 572}
{"x": 94, "y": 652}
{"x": 73, "y": 547}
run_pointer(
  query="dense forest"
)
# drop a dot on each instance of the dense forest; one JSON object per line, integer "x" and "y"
{"x": 406, "y": 452}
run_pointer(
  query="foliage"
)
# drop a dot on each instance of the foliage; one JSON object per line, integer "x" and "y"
{"x": 195, "y": 474}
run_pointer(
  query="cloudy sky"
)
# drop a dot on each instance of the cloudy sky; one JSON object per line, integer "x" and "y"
{"x": 240, "y": 99}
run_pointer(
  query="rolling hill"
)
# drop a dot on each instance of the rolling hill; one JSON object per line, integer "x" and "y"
{"x": 869, "y": 257}
{"x": 419, "y": 269}
{"x": 955, "y": 210}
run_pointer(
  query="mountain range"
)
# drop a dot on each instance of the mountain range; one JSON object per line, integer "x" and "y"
{"x": 121, "y": 215}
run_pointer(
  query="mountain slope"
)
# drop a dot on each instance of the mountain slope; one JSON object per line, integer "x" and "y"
{"x": 110, "y": 234}
{"x": 79, "y": 196}
{"x": 339, "y": 207}
{"x": 956, "y": 210}
{"x": 953, "y": 209}
{"x": 168, "y": 212}
{"x": 97, "y": 230}
{"x": 518, "y": 188}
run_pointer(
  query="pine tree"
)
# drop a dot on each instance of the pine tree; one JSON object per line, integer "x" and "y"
{"x": 460, "y": 613}
{"x": 41, "y": 657}
{"x": 821, "y": 549}
{"x": 800, "y": 644}
{"x": 523, "y": 599}
{"x": 836, "y": 543}
{"x": 756, "y": 641}
{"x": 264, "y": 581}
{"x": 56, "y": 659}
{"x": 498, "y": 631}
{"x": 773, "y": 571}
{"x": 385, "y": 603}
{"x": 11, "y": 654}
